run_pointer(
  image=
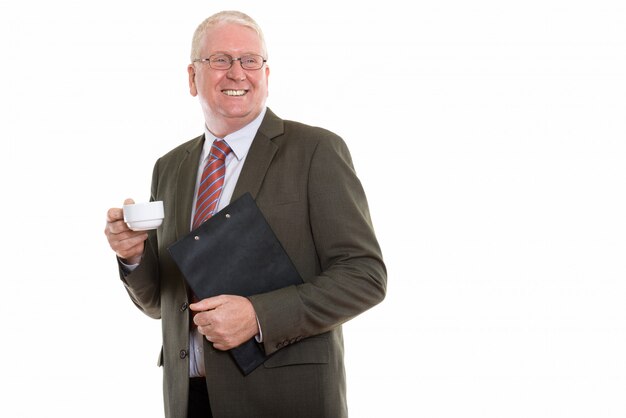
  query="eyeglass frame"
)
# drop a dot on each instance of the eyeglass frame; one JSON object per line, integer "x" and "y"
{"x": 232, "y": 59}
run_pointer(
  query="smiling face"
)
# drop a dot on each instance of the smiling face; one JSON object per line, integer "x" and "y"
{"x": 230, "y": 99}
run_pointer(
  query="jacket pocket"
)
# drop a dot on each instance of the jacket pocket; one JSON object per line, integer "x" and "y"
{"x": 313, "y": 350}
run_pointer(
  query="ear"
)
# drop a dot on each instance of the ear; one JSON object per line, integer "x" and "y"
{"x": 191, "y": 70}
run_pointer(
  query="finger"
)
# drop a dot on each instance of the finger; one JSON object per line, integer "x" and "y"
{"x": 202, "y": 320}
{"x": 132, "y": 255}
{"x": 127, "y": 242}
{"x": 115, "y": 214}
{"x": 218, "y": 343}
{"x": 221, "y": 344}
{"x": 207, "y": 304}
{"x": 120, "y": 237}
{"x": 117, "y": 227}
{"x": 130, "y": 247}
{"x": 202, "y": 329}
{"x": 221, "y": 347}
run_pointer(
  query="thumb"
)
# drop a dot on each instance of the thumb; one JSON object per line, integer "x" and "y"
{"x": 129, "y": 201}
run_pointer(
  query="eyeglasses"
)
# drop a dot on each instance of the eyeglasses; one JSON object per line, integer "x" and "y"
{"x": 225, "y": 61}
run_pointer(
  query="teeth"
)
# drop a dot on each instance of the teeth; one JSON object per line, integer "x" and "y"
{"x": 234, "y": 92}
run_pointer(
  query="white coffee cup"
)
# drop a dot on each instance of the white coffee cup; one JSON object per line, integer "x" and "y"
{"x": 144, "y": 216}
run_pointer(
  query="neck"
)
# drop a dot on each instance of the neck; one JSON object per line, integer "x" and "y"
{"x": 221, "y": 130}
{"x": 221, "y": 127}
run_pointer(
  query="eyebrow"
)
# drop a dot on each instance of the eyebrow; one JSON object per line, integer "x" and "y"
{"x": 234, "y": 55}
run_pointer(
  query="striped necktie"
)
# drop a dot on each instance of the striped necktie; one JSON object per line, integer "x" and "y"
{"x": 211, "y": 183}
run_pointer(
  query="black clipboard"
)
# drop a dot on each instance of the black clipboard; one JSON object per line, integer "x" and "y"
{"x": 235, "y": 252}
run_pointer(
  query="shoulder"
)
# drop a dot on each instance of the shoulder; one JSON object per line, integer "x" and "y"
{"x": 302, "y": 147}
{"x": 304, "y": 132}
{"x": 325, "y": 144}
{"x": 314, "y": 138}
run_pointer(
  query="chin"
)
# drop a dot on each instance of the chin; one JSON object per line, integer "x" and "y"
{"x": 237, "y": 111}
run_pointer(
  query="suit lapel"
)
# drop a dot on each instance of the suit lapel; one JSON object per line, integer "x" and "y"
{"x": 259, "y": 156}
{"x": 185, "y": 185}
{"x": 257, "y": 163}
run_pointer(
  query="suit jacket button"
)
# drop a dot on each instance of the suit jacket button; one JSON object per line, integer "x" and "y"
{"x": 183, "y": 354}
{"x": 184, "y": 307}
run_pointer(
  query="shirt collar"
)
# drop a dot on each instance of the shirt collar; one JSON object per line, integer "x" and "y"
{"x": 239, "y": 141}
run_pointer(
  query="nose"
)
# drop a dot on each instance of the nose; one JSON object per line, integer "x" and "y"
{"x": 236, "y": 71}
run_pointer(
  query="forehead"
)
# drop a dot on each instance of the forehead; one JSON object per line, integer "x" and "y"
{"x": 230, "y": 38}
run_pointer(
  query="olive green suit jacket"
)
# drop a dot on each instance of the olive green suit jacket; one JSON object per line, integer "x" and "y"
{"x": 303, "y": 180}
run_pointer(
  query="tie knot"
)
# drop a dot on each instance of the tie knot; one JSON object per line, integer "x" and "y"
{"x": 220, "y": 150}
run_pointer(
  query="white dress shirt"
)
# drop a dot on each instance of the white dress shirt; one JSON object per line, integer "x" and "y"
{"x": 239, "y": 142}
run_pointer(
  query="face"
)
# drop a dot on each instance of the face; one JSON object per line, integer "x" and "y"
{"x": 230, "y": 99}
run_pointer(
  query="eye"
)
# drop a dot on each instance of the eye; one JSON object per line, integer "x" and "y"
{"x": 220, "y": 59}
{"x": 251, "y": 60}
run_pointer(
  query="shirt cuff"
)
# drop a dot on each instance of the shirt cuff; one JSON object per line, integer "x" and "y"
{"x": 127, "y": 268}
{"x": 259, "y": 336}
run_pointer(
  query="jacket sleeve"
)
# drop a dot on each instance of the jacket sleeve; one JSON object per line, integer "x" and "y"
{"x": 352, "y": 275}
{"x": 142, "y": 284}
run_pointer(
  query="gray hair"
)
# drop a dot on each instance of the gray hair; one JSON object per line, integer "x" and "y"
{"x": 228, "y": 16}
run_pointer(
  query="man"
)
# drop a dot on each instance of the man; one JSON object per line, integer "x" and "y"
{"x": 303, "y": 181}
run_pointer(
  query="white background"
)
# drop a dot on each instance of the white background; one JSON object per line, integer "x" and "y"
{"x": 501, "y": 129}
